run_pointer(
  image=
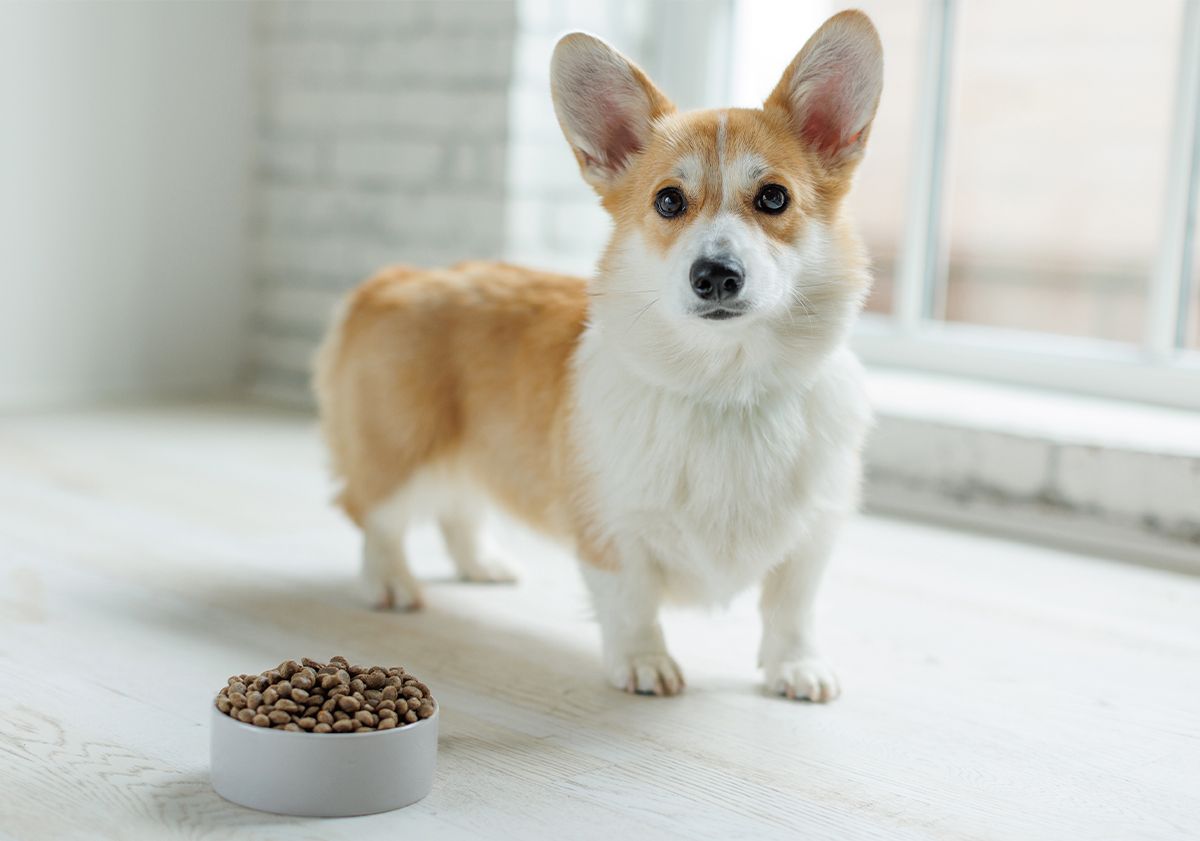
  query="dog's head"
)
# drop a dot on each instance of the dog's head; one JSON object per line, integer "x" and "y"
{"x": 728, "y": 223}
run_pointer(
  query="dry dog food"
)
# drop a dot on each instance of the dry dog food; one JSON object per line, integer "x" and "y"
{"x": 333, "y": 697}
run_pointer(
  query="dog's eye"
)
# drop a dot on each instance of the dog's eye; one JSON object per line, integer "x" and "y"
{"x": 669, "y": 202}
{"x": 771, "y": 199}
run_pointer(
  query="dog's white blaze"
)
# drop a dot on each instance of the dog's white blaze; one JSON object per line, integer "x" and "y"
{"x": 740, "y": 177}
{"x": 689, "y": 169}
{"x": 722, "y": 129}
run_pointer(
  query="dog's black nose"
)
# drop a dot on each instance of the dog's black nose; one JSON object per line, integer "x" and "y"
{"x": 718, "y": 280}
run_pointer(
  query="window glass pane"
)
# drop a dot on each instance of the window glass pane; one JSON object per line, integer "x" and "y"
{"x": 768, "y": 34}
{"x": 1190, "y": 317}
{"x": 1191, "y": 338}
{"x": 1059, "y": 130}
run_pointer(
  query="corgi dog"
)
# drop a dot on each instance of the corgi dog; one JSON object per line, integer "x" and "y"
{"x": 689, "y": 420}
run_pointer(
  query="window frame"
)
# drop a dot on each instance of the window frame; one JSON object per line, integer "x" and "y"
{"x": 1161, "y": 369}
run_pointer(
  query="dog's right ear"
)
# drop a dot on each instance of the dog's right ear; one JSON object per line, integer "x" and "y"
{"x": 605, "y": 105}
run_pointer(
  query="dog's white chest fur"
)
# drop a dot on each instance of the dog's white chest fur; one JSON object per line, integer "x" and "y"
{"x": 712, "y": 496}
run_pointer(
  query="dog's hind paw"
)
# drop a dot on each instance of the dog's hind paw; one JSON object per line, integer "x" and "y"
{"x": 489, "y": 569}
{"x": 392, "y": 594}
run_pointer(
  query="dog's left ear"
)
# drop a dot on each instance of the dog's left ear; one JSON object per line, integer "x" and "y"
{"x": 605, "y": 104}
{"x": 831, "y": 89}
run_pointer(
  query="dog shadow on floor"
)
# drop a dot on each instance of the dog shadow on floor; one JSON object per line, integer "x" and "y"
{"x": 469, "y": 641}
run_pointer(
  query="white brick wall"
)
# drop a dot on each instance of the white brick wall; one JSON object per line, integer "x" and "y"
{"x": 381, "y": 138}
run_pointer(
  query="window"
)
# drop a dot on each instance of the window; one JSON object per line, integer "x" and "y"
{"x": 1029, "y": 196}
{"x": 1059, "y": 134}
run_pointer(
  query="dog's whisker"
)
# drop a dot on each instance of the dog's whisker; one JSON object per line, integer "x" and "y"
{"x": 801, "y": 299}
{"x": 640, "y": 313}
{"x": 622, "y": 292}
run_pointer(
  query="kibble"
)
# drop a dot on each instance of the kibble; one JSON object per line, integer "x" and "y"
{"x": 303, "y": 680}
{"x": 334, "y": 697}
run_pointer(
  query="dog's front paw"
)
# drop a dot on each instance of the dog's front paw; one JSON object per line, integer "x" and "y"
{"x": 648, "y": 674}
{"x": 806, "y": 678}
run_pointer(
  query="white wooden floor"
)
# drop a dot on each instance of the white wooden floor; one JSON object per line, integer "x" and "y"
{"x": 991, "y": 690}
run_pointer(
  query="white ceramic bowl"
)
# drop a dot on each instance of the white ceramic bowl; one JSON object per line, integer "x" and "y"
{"x": 322, "y": 774}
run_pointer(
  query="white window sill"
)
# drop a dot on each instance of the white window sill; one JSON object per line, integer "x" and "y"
{"x": 1117, "y": 478}
{"x": 1060, "y": 364}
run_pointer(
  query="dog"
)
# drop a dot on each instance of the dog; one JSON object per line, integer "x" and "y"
{"x": 689, "y": 421}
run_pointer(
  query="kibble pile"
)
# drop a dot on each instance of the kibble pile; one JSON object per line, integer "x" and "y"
{"x": 333, "y": 697}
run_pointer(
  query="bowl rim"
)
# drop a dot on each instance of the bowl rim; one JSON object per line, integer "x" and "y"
{"x": 252, "y": 728}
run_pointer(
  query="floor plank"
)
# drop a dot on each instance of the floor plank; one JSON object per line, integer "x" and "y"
{"x": 993, "y": 690}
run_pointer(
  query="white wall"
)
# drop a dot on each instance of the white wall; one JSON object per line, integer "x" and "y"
{"x": 381, "y": 140}
{"x": 124, "y": 159}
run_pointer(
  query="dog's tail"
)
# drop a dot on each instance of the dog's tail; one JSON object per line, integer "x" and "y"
{"x": 326, "y": 362}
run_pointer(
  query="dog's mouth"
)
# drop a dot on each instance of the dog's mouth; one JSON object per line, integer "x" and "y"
{"x": 721, "y": 314}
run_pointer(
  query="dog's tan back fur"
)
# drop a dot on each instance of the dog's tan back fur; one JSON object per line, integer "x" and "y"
{"x": 464, "y": 367}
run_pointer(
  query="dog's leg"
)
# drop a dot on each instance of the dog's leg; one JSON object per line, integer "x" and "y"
{"x": 468, "y": 548}
{"x": 635, "y": 655}
{"x": 788, "y": 654}
{"x": 386, "y": 577}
